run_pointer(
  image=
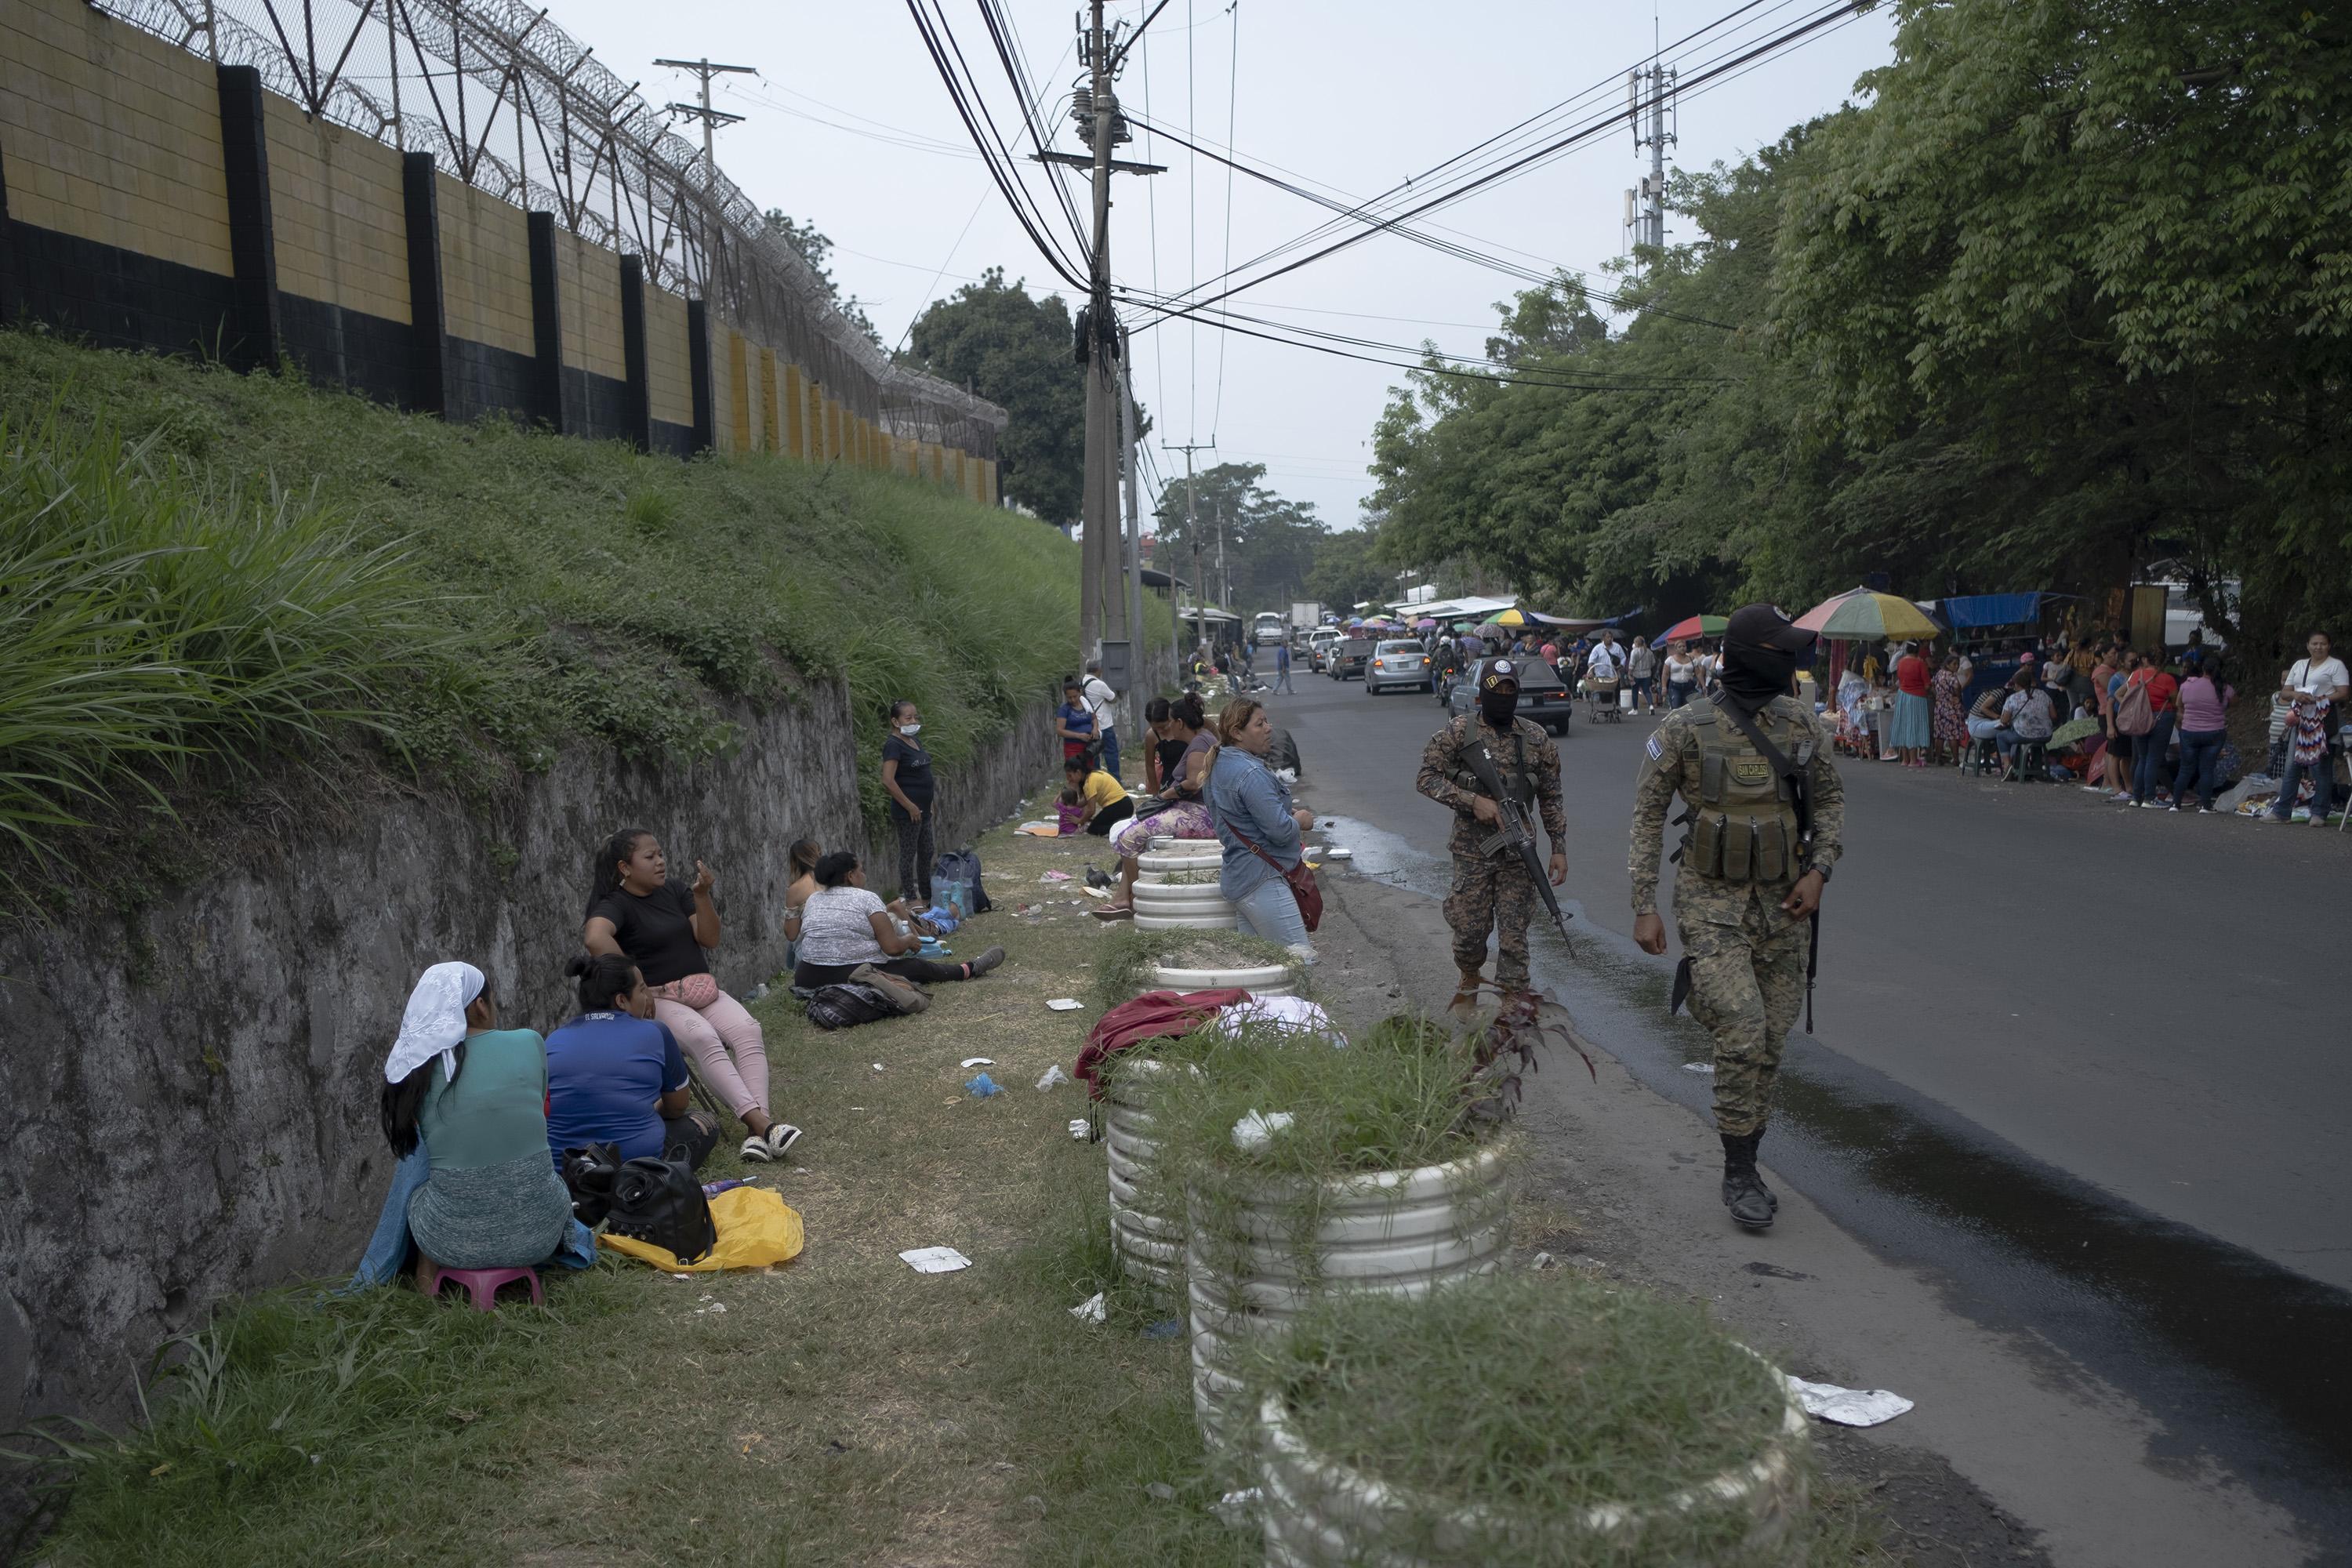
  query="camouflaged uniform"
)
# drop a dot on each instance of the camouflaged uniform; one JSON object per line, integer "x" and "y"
{"x": 1493, "y": 892}
{"x": 1739, "y": 857}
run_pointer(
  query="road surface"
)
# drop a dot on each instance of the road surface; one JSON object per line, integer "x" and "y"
{"x": 2082, "y": 1065}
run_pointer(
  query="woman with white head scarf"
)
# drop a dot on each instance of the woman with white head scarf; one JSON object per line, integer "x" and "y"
{"x": 476, "y": 1096}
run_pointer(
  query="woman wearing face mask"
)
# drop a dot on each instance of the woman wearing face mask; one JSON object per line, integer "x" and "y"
{"x": 907, "y": 778}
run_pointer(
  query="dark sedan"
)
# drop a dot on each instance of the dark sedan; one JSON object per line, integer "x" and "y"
{"x": 1543, "y": 696}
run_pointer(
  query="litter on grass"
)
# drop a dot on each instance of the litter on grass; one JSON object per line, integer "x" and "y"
{"x": 1236, "y": 1509}
{"x": 1054, "y": 1075}
{"x": 979, "y": 1061}
{"x": 1091, "y": 1310}
{"x": 1848, "y": 1407}
{"x": 1095, "y": 892}
{"x": 934, "y": 1259}
{"x": 1339, "y": 854}
{"x": 877, "y": 1066}
{"x": 1698, "y": 1066}
{"x": 983, "y": 1086}
{"x": 1064, "y": 1003}
{"x": 1256, "y": 1130}
{"x": 1054, "y": 876}
{"x": 1288, "y": 1015}
{"x": 1165, "y": 1328}
{"x": 1080, "y": 1129}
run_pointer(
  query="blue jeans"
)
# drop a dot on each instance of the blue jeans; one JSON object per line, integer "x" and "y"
{"x": 2147, "y": 757}
{"x": 2201, "y": 765}
{"x": 2322, "y": 786}
{"x": 1281, "y": 677}
{"x": 1110, "y": 757}
{"x": 1271, "y": 910}
{"x": 1679, "y": 692}
{"x": 390, "y": 1248}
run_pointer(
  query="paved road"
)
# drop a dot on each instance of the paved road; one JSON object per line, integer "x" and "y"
{"x": 2088, "y": 1063}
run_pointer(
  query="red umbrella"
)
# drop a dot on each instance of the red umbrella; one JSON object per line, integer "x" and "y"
{"x": 1695, "y": 627}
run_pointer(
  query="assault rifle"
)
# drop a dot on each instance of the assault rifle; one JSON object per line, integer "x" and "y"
{"x": 1513, "y": 831}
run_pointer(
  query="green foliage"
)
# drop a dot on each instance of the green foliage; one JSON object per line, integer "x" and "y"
{"x": 2068, "y": 304}
{"x": 1346, "y": 572}
{"x": 816, "y": 248}
{"x": 1270, "y": 545}
{"x": 472, "y": 597}
{"x": 153, "y": 619}
{"x": 1019, "y": 354}
{"x": 1531, "y": 1398}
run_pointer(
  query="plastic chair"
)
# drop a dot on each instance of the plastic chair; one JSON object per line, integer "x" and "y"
{"x": 484, "y": 1284}
{"x": 2033, "y": 762}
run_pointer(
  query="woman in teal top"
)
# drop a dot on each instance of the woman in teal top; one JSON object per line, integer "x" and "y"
{"x": 477, "y": 1094}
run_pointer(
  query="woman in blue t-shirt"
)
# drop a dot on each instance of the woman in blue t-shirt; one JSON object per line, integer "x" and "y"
{"x": 1074, "y": 722}
{"x": 615, "y": 1074}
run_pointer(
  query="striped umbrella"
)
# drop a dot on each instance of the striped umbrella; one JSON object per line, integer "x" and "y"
{"x": 1694, "y": 627}
{"x": 1867, "y": 616}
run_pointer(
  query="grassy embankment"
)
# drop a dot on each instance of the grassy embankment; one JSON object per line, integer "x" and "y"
{"x": 205, "y": 577}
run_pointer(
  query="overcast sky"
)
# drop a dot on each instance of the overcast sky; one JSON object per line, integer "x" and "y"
{"x": 848, "y": 125}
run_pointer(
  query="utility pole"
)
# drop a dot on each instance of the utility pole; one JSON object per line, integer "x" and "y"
{"x": 1094, "y": 108}
{"x": 1648, "y": 90}
{"x": 1136, "y": 680}
{"x": 712, "y": 119}
{"x": 1191, "y": 523}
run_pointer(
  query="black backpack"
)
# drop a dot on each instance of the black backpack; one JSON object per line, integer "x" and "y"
{"x": 588, "y": 1175}
{"x": 962, "y": 866}
{"x": 846, "y": 1005}
{"x": 661, "y": 1201}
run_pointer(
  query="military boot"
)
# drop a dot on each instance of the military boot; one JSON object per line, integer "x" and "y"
{"x": 1466, "y": 992}
{"x": 1751, "y": 1203}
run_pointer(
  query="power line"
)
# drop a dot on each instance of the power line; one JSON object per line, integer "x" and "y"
{"x": 1233, "y": 102}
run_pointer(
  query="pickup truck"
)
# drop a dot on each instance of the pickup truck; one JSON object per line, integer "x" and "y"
{"x": 1348, "y": 657}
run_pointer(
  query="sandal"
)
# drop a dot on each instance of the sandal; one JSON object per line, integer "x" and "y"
{"x": 782, "y": 1136}
{"x": 1109, "y": 913}
{"x": 755, "y": 1148}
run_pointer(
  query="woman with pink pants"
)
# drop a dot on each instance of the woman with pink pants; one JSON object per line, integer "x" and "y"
{"x": 664, "y": 925}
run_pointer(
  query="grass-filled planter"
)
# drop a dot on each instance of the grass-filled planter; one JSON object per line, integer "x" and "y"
{"x": 1382, "y": 1181}
{"x": 1533, "y": 1420}
{"x": 1172, "y": 906}
{"x": 1149, "y": 1243}
{"x": 1132, "y": 962}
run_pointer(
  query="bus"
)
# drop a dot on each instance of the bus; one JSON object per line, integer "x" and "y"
{"x": 1267, "y": 627}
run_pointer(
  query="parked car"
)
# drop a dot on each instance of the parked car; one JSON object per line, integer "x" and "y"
{"x": 1348, "y": 657}
{"x": 1400, "y": 665}
{"x": 1543, "y": 696}
{"x": 1318, "y": 648}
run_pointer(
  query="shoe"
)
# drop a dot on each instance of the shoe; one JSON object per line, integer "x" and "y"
{"x": 2207, "y": 810}
{"x": 1751, "y": 1203}
{"x": 2172, "y": 808}
{"x": 755, "y": 1148}
{"x": 1467, "y": 989}
{"x": 782, "y": 1136}
{"x": 983, "y": 963}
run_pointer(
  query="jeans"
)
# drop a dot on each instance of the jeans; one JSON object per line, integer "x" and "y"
{"x": 1272, "y": 912}
{"x": 727, "y": 1047}
{"x": 1281, "y": 677}
{"x": 1109, "y": 753}
{"x": 389, "y": 1249}
{"x": 2322, "y": 786}
{"x": 2008, "y": 740}
{"x": 2147, "y": 757}
{"x": 2201, "y": 765}
{"x": 917, "y": 851}
{"x": 1679, "y": 692}
{"x": 1645, "y": 691}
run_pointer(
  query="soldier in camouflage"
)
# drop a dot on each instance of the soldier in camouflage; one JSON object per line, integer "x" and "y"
{"x": 1494, "y": 891}
{"x": 1749, "y": 880}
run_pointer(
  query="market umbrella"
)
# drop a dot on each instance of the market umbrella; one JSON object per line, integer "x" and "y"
{"x": 1695, "y": 627}
{"x": 2071, "y": 731}
{"x": 1509, "y": 618}
{"x": 1865, "y": 615}
{"x": 1424, "y": 623}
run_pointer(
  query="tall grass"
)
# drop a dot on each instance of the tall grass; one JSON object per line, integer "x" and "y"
{"x": 153, "y": 616}
{"x": 474, "y": 597}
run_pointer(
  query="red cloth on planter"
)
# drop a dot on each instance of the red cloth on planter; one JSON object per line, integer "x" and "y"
{"x": 1154, "y": 1015}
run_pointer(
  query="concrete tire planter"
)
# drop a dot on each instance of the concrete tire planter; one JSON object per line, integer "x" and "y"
{"x": 1172, "y": 906}
{"x": 1149, "y": 1246}
{"x": 1319, "y": 1513}
{"x": 1259, "y": 980}
{"x": 1400, "y": 1233}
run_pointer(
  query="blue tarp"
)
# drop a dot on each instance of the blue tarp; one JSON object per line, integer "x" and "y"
{"x": 1991, "y": 610}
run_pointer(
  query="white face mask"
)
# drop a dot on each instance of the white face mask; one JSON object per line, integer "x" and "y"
{"x": 908, "y": 729}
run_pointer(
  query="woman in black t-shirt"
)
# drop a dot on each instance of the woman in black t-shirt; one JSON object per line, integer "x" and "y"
{"x": 664, "y": 924}
{"x": 907, "y": 778}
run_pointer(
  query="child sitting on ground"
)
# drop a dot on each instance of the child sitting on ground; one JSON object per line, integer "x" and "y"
{"x": 1072, "y": 812}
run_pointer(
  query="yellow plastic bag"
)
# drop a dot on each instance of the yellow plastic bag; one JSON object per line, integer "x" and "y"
{"x": 755, "y": 1229}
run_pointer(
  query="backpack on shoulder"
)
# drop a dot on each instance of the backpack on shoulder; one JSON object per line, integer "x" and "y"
{"x": 2134, "y": 715}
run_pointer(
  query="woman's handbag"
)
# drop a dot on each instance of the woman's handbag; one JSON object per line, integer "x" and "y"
{"x": 695, "y": 990}
{"x": 1303, "y": 886}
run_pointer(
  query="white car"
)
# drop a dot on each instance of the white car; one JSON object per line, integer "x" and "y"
{"x": 1401, "y": 663}
{"x": 1318, "y": 649}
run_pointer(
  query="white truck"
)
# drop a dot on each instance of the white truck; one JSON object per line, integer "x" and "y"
{"x": 1266, "y": 628}
{"x": 1305, "y": 617}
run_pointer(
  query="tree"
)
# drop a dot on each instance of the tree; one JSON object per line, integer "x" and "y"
{"x": 1345, "y": 573}
{"x": 1017, "y": 353}
{"x": 1271, "y": 544}
{"x": 815, "y": 248}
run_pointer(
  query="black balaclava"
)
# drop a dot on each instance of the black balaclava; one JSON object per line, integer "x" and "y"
{"x": 1762, "y": 650}
{"x": 1494, "y": 703}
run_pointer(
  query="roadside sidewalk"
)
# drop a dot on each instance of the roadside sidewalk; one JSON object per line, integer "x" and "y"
{"x": 2013, "y": 1454}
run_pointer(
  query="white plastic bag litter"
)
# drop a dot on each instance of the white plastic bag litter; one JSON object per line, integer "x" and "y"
{"x": 1256, "y": 1130}
{"x": 935, "y": 1259}
{"x": 1054, "y": 1075}
{"x": 1848, "y": 1407}
{"x": 1290, "y": 1014}
{"x": 1091, "y": 1310}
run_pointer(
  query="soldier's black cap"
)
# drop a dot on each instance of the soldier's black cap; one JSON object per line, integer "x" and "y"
{"x": 1493, "y": 672}
{"x": 1765, "y": 625}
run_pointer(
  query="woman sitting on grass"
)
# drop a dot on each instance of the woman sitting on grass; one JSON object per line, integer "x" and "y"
{"x": 1181, "y": 745}
{"x": 664, "y": 925}
{"x": 615, "y": 1074}
{"x": 1106, "y": 801}
{"x": 843, "y": 926}
{"x": 473, "y": 1093}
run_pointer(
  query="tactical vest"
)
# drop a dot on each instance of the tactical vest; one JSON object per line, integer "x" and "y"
{"x": 1743, "y": 827}
{"x": 1510, "y": 763}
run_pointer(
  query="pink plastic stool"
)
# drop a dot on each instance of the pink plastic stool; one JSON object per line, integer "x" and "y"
{"x": 484, "y": 1284}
